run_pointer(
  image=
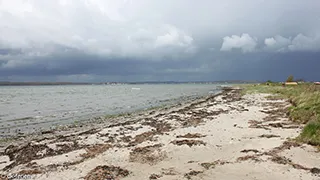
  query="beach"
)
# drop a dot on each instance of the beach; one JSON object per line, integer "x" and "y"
{"x": 223, "y": 136}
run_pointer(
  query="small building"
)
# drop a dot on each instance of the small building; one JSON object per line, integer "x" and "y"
{"x": 291, "y": 83}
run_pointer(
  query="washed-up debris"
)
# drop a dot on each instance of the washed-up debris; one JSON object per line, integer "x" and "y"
{"x": 189, "y": 135}
{"x": 91, "y": 131}
{"x": 126, "y": 139}
{"x": 106, "y": 173}
{"x": 188, "y": 142}
{"x": 193, "y": 121}
{"x": 95, "y": 150}
{"x": 249, "y": 150}
{"x": 192, "y": 173}
{"x": 169, "y": 171}
{"x": 268, "y": 136}
{"x": 208, "y": 165}
{"x": 47, "y": 132}
{"x": 284, "y": 146}
{"x": 298, "y": 166}
{"x": 30, "y": 172}
{"x": 276, "y": 125}
{"x": 248, "y": 157}
{"x": 148, "y": 154}
{"x": 160, "y": 126}
{"x": 142, "y": 137}
{"x": 26, "y": 153}
{"x": 155, "y": 176}
{"x": 257, "y": 124}
{"x": 315, "y": 170}
{"x": 280, "y": 159}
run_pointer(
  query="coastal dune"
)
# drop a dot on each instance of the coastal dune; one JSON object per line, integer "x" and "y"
{"x": 224, "y": 136}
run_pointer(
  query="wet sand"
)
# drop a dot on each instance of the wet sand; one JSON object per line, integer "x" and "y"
{"x": 228, "y": 136}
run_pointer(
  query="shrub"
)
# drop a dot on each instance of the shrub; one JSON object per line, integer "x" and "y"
{"x": 290, "y": 78}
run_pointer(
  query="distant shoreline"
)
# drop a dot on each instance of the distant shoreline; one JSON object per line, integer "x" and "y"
{"x": 4, "y": 83}
{"x": 39, "y": 83}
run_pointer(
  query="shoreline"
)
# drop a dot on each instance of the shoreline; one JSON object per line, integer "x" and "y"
{"x": 34, "y": 128}
{"x": 22, "y": 117}
{"x": 102, "y": 120}
{"x": 224, "y": 136}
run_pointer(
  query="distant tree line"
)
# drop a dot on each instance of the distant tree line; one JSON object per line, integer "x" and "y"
{"x": 291, "y": 79}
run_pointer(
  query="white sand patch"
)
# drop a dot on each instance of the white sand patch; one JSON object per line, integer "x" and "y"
{"x": 305, "y": 155}
{"x": 4, "y": 161}
{"x": 72, "y": 156}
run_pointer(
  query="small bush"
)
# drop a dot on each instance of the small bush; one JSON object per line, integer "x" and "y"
{"x": 290, "y": 78}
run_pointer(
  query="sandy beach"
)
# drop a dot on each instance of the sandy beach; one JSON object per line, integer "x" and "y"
{"x": 226, "y": 136}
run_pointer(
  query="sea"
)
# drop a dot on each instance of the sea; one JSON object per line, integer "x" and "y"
{"x": 25, "y": 109}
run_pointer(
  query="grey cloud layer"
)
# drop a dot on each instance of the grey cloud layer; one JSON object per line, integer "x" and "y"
{"x": 298, "y": 43}
{"x": 277, "y": 43}
{"x": 100, "y": 39}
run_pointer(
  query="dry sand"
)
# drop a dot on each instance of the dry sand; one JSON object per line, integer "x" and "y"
{"x": 221, "y": 137}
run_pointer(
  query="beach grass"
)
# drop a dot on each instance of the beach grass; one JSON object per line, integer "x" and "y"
{"x": 305, "y": 109}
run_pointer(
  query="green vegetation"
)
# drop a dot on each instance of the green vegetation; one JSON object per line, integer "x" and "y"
{"x": 305, "y": 99}
{"x": 290, "y": 78}
{"x": 311, "y": 133}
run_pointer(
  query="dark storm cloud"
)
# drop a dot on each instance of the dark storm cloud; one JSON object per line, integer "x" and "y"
{"x": 80, "y": 63}
{"x": 97, "y": 40}
{"x": 272, "y": 66}
{"x": 226, "y": 66}
{"x": 8, "y": 51}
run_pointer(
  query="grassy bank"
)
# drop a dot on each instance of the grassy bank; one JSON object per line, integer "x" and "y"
{"x": 305, "y": 99}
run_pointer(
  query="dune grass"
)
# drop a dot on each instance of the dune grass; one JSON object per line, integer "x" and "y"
{"x": 311, "y": 133}
{"x": 305, "y": 99}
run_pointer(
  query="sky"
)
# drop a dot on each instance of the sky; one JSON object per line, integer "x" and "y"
{"x": 159, "y": 40}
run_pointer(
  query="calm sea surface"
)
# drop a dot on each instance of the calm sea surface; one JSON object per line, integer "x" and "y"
{"x": 28, "y": 108}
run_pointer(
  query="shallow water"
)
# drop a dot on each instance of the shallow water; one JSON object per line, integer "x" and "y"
{"x": 28, "y": 108}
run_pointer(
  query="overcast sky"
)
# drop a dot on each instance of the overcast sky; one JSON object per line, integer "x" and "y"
{"x": 159, "y": 40}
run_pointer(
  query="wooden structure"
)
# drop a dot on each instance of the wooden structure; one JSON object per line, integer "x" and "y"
{"x": 291, "y": 83}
